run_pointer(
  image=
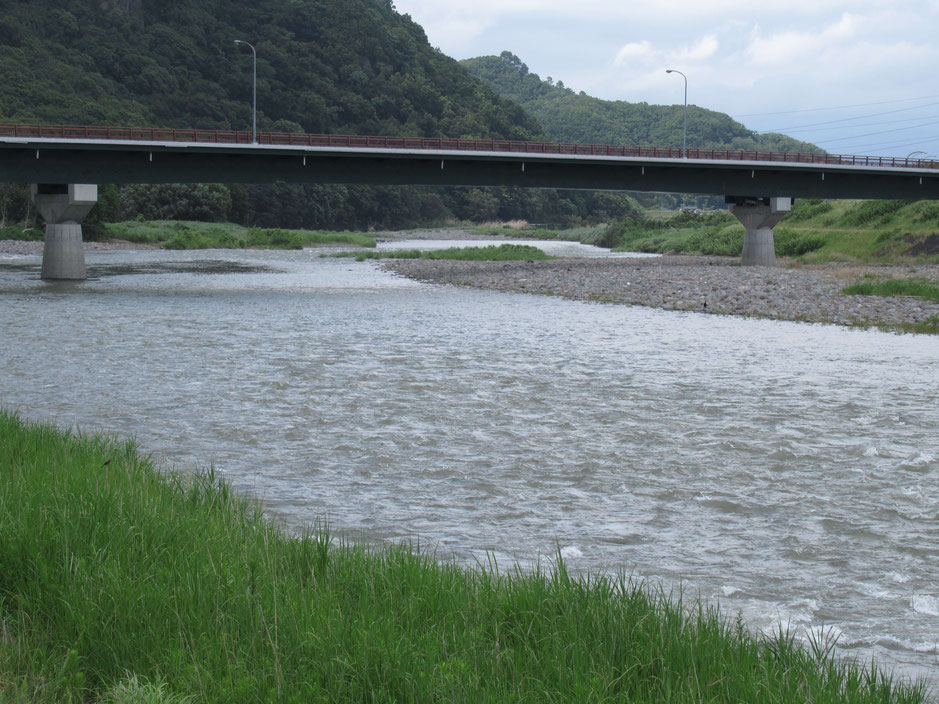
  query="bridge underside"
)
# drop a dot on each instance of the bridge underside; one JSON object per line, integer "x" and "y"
{"x": 48, "y": 161}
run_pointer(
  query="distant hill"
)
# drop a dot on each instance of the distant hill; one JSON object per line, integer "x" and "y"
{"x": 344, "y": 66}
{"x": 333, "y": 66}
{"x": 567, "y": 116}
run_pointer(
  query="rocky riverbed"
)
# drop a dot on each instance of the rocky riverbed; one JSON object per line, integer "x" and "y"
{"x": 715, "y": 285}
{"x": 35, "y": 246}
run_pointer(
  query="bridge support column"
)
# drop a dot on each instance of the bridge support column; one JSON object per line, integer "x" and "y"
{"x": 63, "y": 207}
{"x": 759, "y": 216}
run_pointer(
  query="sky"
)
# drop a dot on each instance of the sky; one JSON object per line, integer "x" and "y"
{"x": 853, "y": 77}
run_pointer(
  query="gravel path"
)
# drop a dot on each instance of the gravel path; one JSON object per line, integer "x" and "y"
{"x": 706, "y": 284}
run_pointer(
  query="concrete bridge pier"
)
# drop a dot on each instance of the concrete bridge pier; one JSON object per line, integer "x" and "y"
{"x": 63, "y": 207}
{"x": 759, "y": 216}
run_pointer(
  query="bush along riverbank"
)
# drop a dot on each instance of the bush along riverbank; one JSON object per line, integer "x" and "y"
{"x": 171, "y": 234}
{"x": 120, "y": 583}
{"x": 176, "y": 234}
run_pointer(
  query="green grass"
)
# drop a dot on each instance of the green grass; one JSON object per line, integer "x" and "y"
{"x": 919, "y": 288}
{"x": 119, "y": 583}
{"x": 815, "y": 231}
{"x": 17, "y": 232}
{"x": 535, "y": 233}
{"x": 174, "y": 234}
{"x": 491, "y": 253}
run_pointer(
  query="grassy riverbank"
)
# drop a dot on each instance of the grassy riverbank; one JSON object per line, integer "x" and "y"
{"x": 116, "y": 578}
{"x": 881, "y": 231}
{"x": 175, "y": 234}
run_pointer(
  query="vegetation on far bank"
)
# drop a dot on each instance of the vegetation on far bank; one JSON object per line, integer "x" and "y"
{"x": 211, "y": 235}
{"x": 815, "y": 231}
{"x": 174, "y": 587}
{"x": 490, "y": 253}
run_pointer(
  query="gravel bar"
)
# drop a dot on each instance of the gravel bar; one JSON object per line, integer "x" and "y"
{"x": 35, "y": 246}
{"x": 715, "y": 285}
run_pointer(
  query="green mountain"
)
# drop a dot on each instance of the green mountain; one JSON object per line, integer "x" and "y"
{"x": 342, "y": 66}
{"x": 336, "y": 66}
{"x": 567, "y": 116}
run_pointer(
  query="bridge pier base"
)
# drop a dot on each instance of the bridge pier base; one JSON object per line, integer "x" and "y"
{"x": 63, "y": 207}
{"x": 759, "y": 216}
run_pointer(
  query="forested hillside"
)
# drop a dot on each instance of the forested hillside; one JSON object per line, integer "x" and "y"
{"x": 577, "y": 117}
{"x": 339, "y": 66}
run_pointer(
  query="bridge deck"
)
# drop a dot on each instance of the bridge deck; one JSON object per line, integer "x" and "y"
{"x": 62, "y": 154}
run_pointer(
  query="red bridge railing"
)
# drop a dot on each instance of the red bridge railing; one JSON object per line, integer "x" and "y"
{"x": 159, "y": 134}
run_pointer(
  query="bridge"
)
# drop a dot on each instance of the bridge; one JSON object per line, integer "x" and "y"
{"x": 64, "y": 164}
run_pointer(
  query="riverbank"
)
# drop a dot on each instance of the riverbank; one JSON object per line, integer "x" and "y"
{"x": 149, "y": 582}
{"x": 27, "y": 247}
{"x": 714, "y": 285}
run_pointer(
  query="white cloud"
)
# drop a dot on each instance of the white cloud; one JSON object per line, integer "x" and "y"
{"x": 704, "y": 49}
{"x": 740, "y": 57}
{"x": 634, "y": 52}
{"x": 787, "y": 47}
{"x": 614, "y": 10}
{"x": 645, "y": 54}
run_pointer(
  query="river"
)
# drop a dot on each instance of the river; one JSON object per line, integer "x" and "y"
{"x": 786, "y": 471}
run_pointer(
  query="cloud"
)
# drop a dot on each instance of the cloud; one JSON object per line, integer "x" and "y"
{"x": 635, "y": 52}
{"x": 613, "y": 10}
{"x": 793, "y": 46}
{"x": 704, "y": 49}
{"x": 645, "y": 54}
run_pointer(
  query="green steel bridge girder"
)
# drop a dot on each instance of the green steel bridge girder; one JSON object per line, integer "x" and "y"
{"x": 24, "y": 160}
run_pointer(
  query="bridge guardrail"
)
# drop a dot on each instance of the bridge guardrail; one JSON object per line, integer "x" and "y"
{"x": 168, "y": 134}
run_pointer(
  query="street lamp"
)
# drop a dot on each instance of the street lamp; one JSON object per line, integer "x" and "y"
{"x": 254, "y": 124}
{"x": 910, "y": 155}
{"x": 684, "y": 133}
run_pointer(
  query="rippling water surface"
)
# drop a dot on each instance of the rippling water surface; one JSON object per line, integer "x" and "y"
{"x": 788, "y": 471}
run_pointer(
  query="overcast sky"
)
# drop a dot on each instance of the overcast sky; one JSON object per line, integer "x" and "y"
{"x": 856, "y": 77}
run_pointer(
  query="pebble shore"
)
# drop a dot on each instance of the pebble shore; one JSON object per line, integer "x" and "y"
{"x": 717, "y": 285}
{"x": 35, "y": 246}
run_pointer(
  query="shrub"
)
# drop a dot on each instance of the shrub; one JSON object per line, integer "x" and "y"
{"x": 925, "y": 212}
{"x": 793, "y": 244}
{"x": 274, "y": 239}
{"x": 724, "y": 241}
{"x": 807, "y": 209}
{"x": 187, "y": 239}
{"x": 873, "y": 212}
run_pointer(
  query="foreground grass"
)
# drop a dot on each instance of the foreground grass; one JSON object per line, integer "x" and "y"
{"x": 491, "y": 253}
{"x": 175, "y": 234}
{"x": 122, "y": 584}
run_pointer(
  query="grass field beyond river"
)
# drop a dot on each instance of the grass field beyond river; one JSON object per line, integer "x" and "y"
{"x": 119, "y": 583}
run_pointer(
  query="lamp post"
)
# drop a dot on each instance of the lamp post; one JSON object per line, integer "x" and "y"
{"x": 254, "y": 124}
{"x": 911, "y": 154}
{"x": 684, "y": 132}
